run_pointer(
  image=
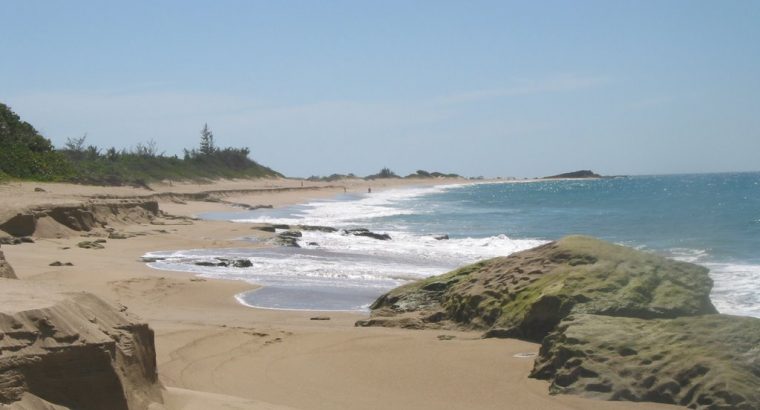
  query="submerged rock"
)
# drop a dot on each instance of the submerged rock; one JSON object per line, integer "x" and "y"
{"x": 327, "y": 229}
{"x": 211, "y": 263}
{"x": 288, "y": 238}
{"x": 368, "y": 233}
{"x": 528, "y": 293}
{"x": 241, "y": 263}
{"x": 702, "y": 362}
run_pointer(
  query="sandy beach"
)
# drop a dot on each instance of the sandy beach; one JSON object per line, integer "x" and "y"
{"x": 213, "y": 352}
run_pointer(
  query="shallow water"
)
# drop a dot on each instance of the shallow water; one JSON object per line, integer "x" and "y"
{"x": 710, "y": 219}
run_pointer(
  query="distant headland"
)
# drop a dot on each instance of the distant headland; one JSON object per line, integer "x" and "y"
{"x": 576, "y": 174}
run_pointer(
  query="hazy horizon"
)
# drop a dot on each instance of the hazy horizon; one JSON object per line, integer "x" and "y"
{"x": 480, "y": 89}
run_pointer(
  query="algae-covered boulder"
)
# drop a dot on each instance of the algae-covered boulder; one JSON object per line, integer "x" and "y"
{"x": 703, "y": 362}
{"x": 527, "y": 294}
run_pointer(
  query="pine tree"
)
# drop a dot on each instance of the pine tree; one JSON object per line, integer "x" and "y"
{"x": 207, "y": 141}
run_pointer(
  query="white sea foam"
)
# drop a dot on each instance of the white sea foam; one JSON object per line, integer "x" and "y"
{"x": 363, "y": 267}
{"x": 735, "y": 285}
{"x": 419, "y": 248}
{"x": 343, "y": 259}
{"x": 735, "y": 289}
{"x": 343, "y": 213}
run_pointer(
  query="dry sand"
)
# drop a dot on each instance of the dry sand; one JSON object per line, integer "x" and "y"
{"x": 215, "y": 353}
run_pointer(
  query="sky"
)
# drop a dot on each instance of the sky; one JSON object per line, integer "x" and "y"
{"x": 477, "y": 88}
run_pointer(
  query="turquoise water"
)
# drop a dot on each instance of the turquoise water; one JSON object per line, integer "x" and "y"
{"x": 709, "y": 219}
{"x": 717, "y": 215}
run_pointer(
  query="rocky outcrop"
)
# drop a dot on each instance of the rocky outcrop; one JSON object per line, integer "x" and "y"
{"x": 72, "y": 350}
{"x": 528, "y": 293}
{"x": 6, "y": 270}
{"x": 79, "y": 217}
{"x": 615, "y": 323}
{"x": 702, "y": 362}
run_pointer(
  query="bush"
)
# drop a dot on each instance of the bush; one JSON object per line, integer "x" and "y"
{"x": 384, "y": 173}
{"x": 25, "y": 154}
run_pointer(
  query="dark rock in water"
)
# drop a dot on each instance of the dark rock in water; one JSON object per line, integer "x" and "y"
{"x": 210, "y": 263}
{"x": 266, "y": 228}
{"x": 288, "y": 238}
{"x": 702, "y": 362}
{"x": 292, "y": 234}
{"x": 313, "y": 244}
{"x": 441, "y": 237}
{"x": 528, "y": 293}
{"x": 242, "y": 263}
{"x": 373, "y": 235}
{"x": 317, "y": 228}
{"x": 368, "y": 233}
{"x": 288, "y": 241}
{"x": 281, "y": 226}
{"x": 249, "y": 207}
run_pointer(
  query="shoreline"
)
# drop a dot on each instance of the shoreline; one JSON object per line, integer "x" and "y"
{"x": 210, "y": 347}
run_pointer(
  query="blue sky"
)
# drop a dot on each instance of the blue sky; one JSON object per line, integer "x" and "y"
{"x": 479, "y": 88}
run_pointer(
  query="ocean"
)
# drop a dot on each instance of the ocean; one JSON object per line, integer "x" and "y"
{"x": 709, "y": 219}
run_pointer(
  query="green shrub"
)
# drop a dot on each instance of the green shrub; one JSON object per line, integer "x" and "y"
{"x": 25, "y": 154}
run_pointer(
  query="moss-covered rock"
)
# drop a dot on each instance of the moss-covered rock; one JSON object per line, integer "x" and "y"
{"x": 703, "y": 362}
{"x": 527, "y": 294}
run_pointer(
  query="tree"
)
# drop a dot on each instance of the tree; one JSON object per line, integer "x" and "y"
{"x": 207, "y": 141}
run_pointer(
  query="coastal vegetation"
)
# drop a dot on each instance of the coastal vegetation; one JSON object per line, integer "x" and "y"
{"x": 385, "y": 173}
{"x": 26, "y": 154}
{"x": 421, "y": 173}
